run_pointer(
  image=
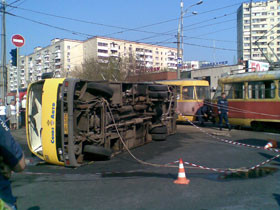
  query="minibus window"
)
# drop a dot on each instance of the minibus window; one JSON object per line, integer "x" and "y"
{"x": 187, "y": 92}
{"x": 202, "y": 92}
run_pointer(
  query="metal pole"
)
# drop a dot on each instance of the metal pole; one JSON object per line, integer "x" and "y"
{"x": 182, "y": 37}
{"x": 179, "y": 38}
{"x": 3, "y": 73}
{"x": 251, "y": 30}
{"x": 18, "y": 87}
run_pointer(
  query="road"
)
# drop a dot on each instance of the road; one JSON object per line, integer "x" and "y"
{"x": 122, "y": 183}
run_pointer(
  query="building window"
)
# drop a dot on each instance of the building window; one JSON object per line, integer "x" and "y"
{"x": 68, "y": 60}
{"x": 68, "y": 47}
{"x": 102, "y": 44}
{"x": 102, "y": 51}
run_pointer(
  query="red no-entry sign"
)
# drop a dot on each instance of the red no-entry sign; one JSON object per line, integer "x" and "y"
{"x": 18, "y": 40}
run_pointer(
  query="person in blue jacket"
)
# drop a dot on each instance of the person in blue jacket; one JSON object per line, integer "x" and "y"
{"x": 11, "y": 159}
{"x": 223, "y": 111}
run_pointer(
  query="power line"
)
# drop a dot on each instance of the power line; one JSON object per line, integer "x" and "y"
{"x": 169, "y": 32}
{"x": 118, "y": 27}
{"x": 52, "y": 26}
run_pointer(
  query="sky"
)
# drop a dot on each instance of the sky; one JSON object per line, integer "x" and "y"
{"x": 206, "y": 34}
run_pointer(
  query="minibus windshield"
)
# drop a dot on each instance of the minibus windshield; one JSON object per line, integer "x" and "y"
{"x": 34, "y": 114}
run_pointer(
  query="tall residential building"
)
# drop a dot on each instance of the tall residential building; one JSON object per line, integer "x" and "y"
{"x": 258, "y": 31}
{"x": 64, "y": 55}
{"x": 149, "y": 56}
{"x": 59, "y": 57}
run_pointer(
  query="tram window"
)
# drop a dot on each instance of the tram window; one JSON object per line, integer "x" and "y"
{"x": 218, "y": 93}
{"x": 228, "y": 89}
{"x": 187, "y": 92}
{"x": 261, "y": 90}
{"x": 238, "y": 89}
{"x": 202, "y": 92}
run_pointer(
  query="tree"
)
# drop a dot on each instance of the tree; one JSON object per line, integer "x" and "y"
{"x": 114, "y": 69}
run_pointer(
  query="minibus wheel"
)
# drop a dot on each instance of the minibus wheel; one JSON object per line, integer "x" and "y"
{"x": 159, "y": 130}
{"x": 100, "y": 89}
{"x": 158, "y": 87}
{"x": 159, "y": 137}
{"x": 96, "y": 150}
{"x": 158, "y": 94}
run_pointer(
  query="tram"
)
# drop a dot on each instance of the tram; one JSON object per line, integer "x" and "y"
{"x": 253, "y": 99}
{"x": 190, "y": 96}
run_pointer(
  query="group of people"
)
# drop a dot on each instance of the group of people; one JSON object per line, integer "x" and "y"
{"x": 8, "y": 113}
{"x": 205, "y": 112}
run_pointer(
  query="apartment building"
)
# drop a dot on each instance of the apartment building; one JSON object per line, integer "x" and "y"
{"x": 64, "y": 55}
{"x": 258, "y": 31}
{"x": 59, "y": 57}
{"x": 151, "y": 57}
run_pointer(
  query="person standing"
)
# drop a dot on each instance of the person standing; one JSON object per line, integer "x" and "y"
{"x": 223, "y": 111}
{"x": 23, "y": 108}
{"x": 2, "y": 110}
{"x": 12, "y": 115}
{"x": 11, "y": 159}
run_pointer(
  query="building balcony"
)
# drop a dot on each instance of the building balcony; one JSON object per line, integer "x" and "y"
{"x": 102, "y": 54}
{"x": 102, "y": 47}
{"x": 57, "y": 63}
{"x": 149, "y": 59}
{"x": 57, "y": 51}
{"x": 114, "y": 55}
{"x": 58, "y": 56}
{"x": 172, "y": 62}
{"x": 115, "y": 47}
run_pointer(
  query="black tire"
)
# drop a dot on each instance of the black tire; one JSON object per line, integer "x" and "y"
{"x": 100, "y": 89}
{"x": 47, "y": 75}
{"x": 159, "y": 137}
{"x": 158, "y": 94}
{"x": 159, "y": 130}
{"x": 96, "y": 150}
{"x": 141, "y": 90}
{"x": 158, "y": 87}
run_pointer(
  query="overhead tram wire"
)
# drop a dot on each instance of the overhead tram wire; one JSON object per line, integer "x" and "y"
{"x": 52, "y": 26}
{"x": 84, "y": 34}
{"x": 90, "y": 35}
{"x": 124, "y": 28}
{"x": 167, "y": 33}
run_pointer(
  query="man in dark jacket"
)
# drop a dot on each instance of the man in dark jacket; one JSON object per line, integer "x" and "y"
{"x": 11, "y": 159}
{"x": 223, "y": 111}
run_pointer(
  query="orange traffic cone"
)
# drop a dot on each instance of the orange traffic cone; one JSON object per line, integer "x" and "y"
{"x": 181, "y": 175}
{"x": 271, "y": 144}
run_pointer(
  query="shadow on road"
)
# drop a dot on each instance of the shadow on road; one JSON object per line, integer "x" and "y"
{"x": 138, "y": 174}
{"x": 277, "y": 198}
{"x": 255, "y": 142}
{"x": 269, "y": 156}
{"x": 34, "y": 208}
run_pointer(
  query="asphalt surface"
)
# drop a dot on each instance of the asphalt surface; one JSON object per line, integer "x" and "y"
{"x": 122, "y": 183}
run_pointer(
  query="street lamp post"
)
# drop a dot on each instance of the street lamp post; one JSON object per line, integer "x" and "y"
{"x": 180, "y": 40}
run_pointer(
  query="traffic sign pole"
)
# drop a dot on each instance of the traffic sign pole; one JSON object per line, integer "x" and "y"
{"x": 17, "y": 98}
{"x": 18, "y": 41}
